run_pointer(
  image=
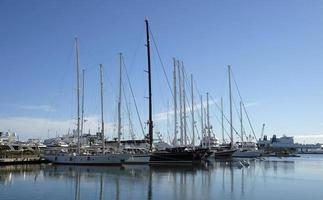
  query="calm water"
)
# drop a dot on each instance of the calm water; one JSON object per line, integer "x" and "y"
{"x": 273, "y": 178}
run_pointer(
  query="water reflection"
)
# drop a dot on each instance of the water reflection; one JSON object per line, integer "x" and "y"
{"x": 210, "y": 180}
{"x": 77, "y": 185}
{"x": 7, "y": 172}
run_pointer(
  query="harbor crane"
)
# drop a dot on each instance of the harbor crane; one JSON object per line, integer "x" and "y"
{"x": 262, "y": 130}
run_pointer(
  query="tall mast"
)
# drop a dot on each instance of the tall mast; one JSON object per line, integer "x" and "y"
{"x": 129, "y": 119}
{"x": 202, "y": 121}
{"x": 175, "y": 104}
{"x": 222, "y": 124}
{"x": 230, "y": 97}
{"x": 241, "y": 124}
{"x": 78, "y": 93}
{"x": 150, "y": 120}
{"x": 208, "y": 119}
{"x": 192, "y": 112}
{"x": 82, "y": 115}
{"x": 184, "y": 104}
{"x": 119, "y": 100}
{"x": 168, "y": 122}
{"x": 102, "y": 119}
{"x": 180, "y": 102}
{"x": 205, "y": 127}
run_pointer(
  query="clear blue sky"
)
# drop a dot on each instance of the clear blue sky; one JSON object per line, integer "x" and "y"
{"x": 275, "y": 49}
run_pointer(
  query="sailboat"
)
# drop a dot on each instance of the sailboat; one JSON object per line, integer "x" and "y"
{"x": 209, "y": 142}
{"x": 226, "y": 152}
{"x": 136, "y": 155}
{"x": 181, "y": 154}
{"x": 246, "y": 149}
{"x": 85, "y": 158}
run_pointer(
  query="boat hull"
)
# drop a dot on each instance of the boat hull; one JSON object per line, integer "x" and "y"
{"x": 166, "y": 157}
{"x": 223, "y": 153}
{"x": 246, "y": 154}
{"x": 107, "y": 159}
{"x": 175, "y": 157}
{"x": 138, "y": 159}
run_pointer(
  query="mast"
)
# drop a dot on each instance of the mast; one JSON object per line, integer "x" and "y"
{"x": 82, "y": 115}
{"x": 202, "y": 121}
{"x": 180, "y": 102}
{"x": 168, "y": 122}
{"x": 241, "y": 124}
{"x": 230, "y": 97}
{"x": 184, "y": 105}
{"x": 222, "y": 125}
{"x": 102, "y": 119}
{"x": 205, "y": 127}
{"x": 78, "y": 92}
{"x": 175, "y": 103}
{"x": 119, "y": 101}
{"x": 150, "y": 120}
{"x": 208, "y": 119}
{"x": 129, "y": 119}
{"x": 192, "y": 112}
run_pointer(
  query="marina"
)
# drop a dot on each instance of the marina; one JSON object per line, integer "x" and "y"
{"x": 171, "y": 100}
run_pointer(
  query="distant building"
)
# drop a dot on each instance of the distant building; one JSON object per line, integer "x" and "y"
{"x": 287, "y": 143}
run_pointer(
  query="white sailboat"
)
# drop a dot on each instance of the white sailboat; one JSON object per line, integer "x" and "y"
{"x": 136, "y": 155}
{"x": 84, "y": 158}
{"x": 245, "y": 149}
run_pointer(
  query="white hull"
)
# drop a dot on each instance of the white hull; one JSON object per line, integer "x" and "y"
{"x": 107, "y": 159}
{"x": 138, "y": 159}
{"x": 246, "y": 154}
